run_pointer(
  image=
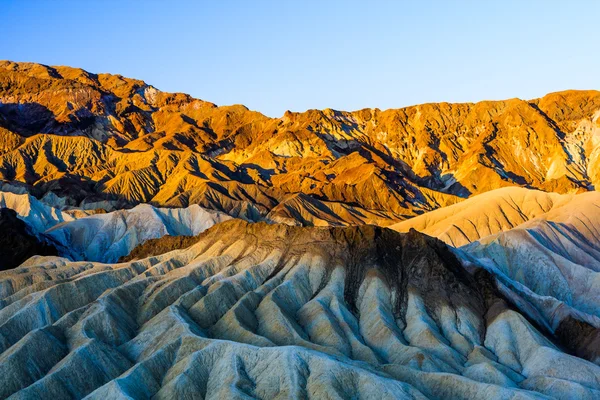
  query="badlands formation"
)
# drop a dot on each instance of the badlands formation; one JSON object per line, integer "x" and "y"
{"x": 100, "y": 138}
{"x": 159, "y": 246}
{"x": 100, "y": 236}
{"x": 272, "y": 311}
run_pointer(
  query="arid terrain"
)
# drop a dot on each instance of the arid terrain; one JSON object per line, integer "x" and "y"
{"x": 159, "y": 246}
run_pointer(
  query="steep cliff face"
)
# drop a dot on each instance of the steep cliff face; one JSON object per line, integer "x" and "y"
{"x": 276, "y": 311}
{"x": 101, "y": 136}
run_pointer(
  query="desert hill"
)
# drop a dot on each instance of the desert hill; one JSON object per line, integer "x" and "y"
{"x": 257, "y": 310}
{"x": 102, "y": 136}
{"x": 483, "y": 215}
{"x": 544, "y": 246}
{"x": 98, "y": 236}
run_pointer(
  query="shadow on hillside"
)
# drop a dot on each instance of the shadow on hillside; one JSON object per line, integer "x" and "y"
{"x": 28, "y": 119}
{"x": 402, "y": 170}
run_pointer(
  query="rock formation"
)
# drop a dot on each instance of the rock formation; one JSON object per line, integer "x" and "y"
{"x": 161, "y": 246}
{"x": 101, "y": 137}
{"x": 256, "y": 310}
{"x": 544, "y": 246}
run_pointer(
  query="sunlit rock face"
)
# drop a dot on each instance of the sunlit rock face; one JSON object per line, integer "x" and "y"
{"x": 273, "y": 311}
{"x": 109, "y": 140}
{"x": 483, "y": 215}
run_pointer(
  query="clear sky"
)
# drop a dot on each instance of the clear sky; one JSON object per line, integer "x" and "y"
{"x": 278, "y": 55}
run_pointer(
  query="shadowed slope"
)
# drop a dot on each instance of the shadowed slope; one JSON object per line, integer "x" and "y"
{"x": 16, "y": 243}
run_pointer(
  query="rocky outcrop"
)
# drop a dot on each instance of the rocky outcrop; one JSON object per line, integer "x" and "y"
{"x": 105, "y": 138}
{"x": 256, "y": 310}
{"x": 16, "y": 243}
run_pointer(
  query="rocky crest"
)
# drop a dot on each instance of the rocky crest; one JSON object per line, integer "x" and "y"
{"x": 101, "y": 136}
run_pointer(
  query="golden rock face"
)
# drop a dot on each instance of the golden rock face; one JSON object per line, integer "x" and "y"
{"x": 101, "y": 136}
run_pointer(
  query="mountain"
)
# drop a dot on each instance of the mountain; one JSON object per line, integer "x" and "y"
{"x": 161, "y": 246}
{"x": 256, "y": 310}
{"x": 105, "y": 138}
{"x": 97, "y": 236}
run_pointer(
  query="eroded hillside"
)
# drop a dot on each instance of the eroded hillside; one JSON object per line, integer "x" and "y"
{"x": 99, "y": 136}
{"x": 272, "y": 311}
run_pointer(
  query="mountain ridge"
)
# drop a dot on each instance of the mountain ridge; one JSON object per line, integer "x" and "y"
{"x": 106, "y": 137}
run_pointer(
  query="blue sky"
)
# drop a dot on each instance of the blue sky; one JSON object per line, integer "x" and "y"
{"x": 274, "y": 56}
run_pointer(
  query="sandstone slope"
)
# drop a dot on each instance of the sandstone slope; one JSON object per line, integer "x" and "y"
{"x": 483, "y": 215}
